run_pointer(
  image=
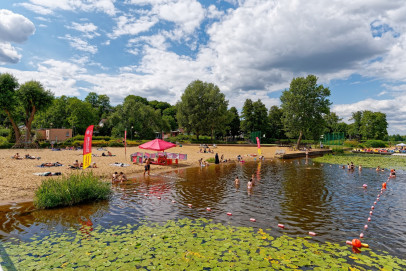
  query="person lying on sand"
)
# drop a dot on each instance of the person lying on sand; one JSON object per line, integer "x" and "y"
{"x": 93, "y": 165}
{"x": 27, "y": 156}
{"x": 17, "y": 156}
{"x": 75, "y": 165}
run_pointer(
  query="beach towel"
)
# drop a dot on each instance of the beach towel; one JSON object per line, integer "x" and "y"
{"x": 48, "y": 173}
{"x": 120, "y": 165}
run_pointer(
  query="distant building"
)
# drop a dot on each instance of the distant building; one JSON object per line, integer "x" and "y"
{"x": 53, "y": 134}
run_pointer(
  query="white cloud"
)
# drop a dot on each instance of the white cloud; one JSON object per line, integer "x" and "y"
{"x": 8, "y": 54}
{"x": 13, "y": 28}
{"x": 187, "y": 14}
{"x": 89, "y": 30}
{"x": 36, "y": 8}
{"x": 80, "y": 44}
{"x": 127, "y": 25}
{"x": 45, "y": 7}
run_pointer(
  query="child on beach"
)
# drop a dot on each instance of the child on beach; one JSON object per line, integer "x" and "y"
{"x": 237, "y": 181}
{"x": 147, "y": 166}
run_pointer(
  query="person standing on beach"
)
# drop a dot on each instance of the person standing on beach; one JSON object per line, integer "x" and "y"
{"x": 249, "y": 184}
{"x": 237, "y": 181}
{"x": 147, "y": 166}
{"x": 216, "y": 159}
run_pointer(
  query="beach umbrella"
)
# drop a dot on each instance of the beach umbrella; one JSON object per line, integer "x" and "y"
{"x": 157, "y": 145}
{"x": 401, "y": 144}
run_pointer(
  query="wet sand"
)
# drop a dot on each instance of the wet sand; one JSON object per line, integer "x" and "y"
{"x": 18, "y": 182}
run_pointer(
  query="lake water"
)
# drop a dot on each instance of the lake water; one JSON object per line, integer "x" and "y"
{"x": 324, "y": 199}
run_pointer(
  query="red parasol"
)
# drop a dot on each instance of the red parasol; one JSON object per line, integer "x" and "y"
{"x": 157, "y": 145}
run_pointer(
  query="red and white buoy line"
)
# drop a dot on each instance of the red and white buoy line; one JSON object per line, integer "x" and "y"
{"x": 356, "y": 243}
{"x": 208, "y": 209}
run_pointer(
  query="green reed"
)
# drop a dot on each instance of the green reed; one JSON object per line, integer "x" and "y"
{"x": 71, "y": 190}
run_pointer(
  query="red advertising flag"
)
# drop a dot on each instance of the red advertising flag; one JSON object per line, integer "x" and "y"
{"x": 259, "y": 146}
{"x": 87, "y": 147}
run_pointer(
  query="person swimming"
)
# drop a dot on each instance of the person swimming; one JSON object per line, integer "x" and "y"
{"x": 250, "y": 184}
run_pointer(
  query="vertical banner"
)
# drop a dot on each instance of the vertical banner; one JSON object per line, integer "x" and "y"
{"x": 125, "y": 143}
{"x": 87, "y": 147}
{"x": 259, "y": 146}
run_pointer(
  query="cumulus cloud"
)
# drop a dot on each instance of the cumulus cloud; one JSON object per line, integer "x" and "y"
{"x": 13, "y": 28}
{"x": 128, "y": 25}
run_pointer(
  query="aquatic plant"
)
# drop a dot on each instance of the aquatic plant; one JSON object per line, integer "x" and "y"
{"x": 366, "y": 160}
{"x": 74, "y": 189}
{"x": 186, "y": 245}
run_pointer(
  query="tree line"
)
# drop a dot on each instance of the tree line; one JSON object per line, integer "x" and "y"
{"x": 202, "y": 110}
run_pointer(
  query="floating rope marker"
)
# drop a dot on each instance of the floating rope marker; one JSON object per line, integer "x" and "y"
{"x": 208, "y": 209}
{"x": 312, "y": 233}
{"x": 189, "y": 205}
{"x": 229, "y": 214}
{"x": 372, "y": 207}
{"x": 374, "y": 202}
{"x": 146, "y": 195}
{"x": 281, "y": 226}
{"x": 364, "y": 185}
{"x": 158, "y": 197}
{"x": 366, "y": 227}
{"x": 173, "y": 201}
{"x": 253, "y": 219}
{"x": 370, "y": 212}
{"x": 369, "y": 218}
{"x": 361, "y": 235}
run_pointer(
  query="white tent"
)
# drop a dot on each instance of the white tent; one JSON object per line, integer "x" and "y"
{"x": 401, "y": 144}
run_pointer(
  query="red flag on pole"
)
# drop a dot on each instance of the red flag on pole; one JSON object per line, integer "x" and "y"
{"x": 87, "y": 147}
{"x": 259, "y": 146}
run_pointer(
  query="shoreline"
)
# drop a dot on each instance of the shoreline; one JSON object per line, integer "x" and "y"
{"x": 18, "y": 182}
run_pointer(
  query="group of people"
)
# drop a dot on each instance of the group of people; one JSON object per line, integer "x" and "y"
{"x": 118, "y": 177}
{"x": 250, "y": 183}
{"x": 108, "y": 154}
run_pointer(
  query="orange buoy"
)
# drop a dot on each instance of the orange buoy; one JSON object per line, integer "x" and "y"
{"x": 356, "y": 243}
{"x": 384, "y": 185}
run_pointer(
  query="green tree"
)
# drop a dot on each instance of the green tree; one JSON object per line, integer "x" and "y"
{"x": 8, "y": 100}
{"x": 254, "y": 116}
{"x": 80, "y": 114}
{"x": 33, "y": 98}
{"x": 303, "y": 106}
{"x": 332, "y": 122}
{"x": 202, "y": 109}
{"x": 275, "y": 126}
{"x": 234, "y": 123}
{"x": 56, "y": 114}
{"x": 143, "y": 118}
{"x": 373, "y": 125}
{"x": 354, "y": 129}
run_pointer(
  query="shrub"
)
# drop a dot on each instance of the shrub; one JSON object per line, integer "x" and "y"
{"x": 4, "y": 144}
{"x": 375, "y": 144}
{"x": 351, "y": 143}
{"x": 4, "y": 132}
{"x": 71, "y": 190}
{"x": 338, "y": 150}
{"x": 99, "y": 143}
{"x": 210, "y": 160}
{"x": 115, "y": 144}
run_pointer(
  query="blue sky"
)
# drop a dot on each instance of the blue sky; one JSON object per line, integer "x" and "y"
{"x": 250, "y": 49}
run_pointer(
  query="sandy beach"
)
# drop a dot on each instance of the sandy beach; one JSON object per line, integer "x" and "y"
{"x": 18, "y": 182}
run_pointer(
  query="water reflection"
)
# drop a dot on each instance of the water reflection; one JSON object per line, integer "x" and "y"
{"x": 303, "y": 196}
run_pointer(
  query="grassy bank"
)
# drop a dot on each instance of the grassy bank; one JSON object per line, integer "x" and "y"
{"x": 187, "y": 245}
{"x": 71, "y": 190}
{"x": 366, "y": 160}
